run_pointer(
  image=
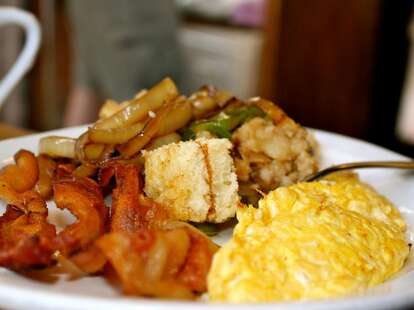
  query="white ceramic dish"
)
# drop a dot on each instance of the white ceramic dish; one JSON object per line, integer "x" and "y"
{"x": 17, "y": 292}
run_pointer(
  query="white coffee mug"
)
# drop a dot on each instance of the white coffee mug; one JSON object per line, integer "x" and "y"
{"x": 14, "y": 16}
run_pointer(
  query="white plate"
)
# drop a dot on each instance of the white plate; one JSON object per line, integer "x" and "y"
{"x": 17, "y": 292}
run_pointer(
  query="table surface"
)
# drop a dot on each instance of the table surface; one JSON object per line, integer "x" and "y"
{"x": 9, "y": 131}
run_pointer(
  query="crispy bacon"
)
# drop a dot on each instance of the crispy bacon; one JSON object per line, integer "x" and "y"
{"x": 151, "y": 255}
{"x": 105, "y": 174}
{"x": 25, "y": 237}
{"x": 169, "y": 263}
{"x": 26, "y": 253}
{"x": 125, "y": 213}
{"x": 195, "y": 270}
{"x": 90, "y": 260}
{"x": 130, "y": 209}
{"x": 127, "y": 253}
{"x": 147, "y": 253}
{"x": 25, "y": 234}
{"x": 83, "y": 198}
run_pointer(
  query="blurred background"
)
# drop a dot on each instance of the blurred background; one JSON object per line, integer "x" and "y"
{"x": 341, "y": 66}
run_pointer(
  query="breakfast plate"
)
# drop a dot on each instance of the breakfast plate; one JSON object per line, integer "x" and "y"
{"x": 17, "y": 292}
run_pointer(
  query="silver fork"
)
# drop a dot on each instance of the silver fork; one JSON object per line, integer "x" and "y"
{"x": 360, "y": 165}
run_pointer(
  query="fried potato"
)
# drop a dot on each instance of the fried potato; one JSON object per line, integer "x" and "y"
{"x": 21, "y": 176}
{"x": 47, "y": 172}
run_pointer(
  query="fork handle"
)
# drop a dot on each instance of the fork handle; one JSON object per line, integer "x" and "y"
{"x": 360, "y": 165}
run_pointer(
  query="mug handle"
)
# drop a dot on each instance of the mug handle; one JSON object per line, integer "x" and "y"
{"x": 11, "y": 15}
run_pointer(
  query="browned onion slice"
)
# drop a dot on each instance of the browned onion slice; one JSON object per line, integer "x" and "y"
{"x": 138, "y": 109}
{"x": 115, "y": 135}
{"x": 55, "y": 146}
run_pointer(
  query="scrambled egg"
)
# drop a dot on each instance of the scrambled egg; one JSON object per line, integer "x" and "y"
{"x": 310, "y": 240}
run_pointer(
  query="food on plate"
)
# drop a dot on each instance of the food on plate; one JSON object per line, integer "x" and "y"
{"x": 58, "y": 147}
{"x": 274, "y": 152}
{"x": 84, "y": 199}
{"x": 268, "y": 148}
{"x": 25, "y": 235}
{"x": 47, "y": 170}
{"x": 25, "y": 165}
{"x": 138, "y": 108}
{"x": 130, "y": 209}
{"x": 135, "y": 245}
{"x": 309, "y": 241}
{"x": 25, "y": 238}
{"x": 178, "y": 169}
{"x": 151, "y": 254}
{"x": 194, "y": 180}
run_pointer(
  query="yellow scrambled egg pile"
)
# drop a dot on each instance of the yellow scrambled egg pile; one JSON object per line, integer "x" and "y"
{"x": 310, "y": 240}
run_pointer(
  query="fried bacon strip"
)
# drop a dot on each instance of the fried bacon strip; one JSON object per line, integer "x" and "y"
{"x": 198, "y": 261}
{"x": 160, "y": 263}
{"x": 125, "y": 213}
{"x": 127, "y": 252}
{"x": 83, "y": 198}
{"x": 130, "y": 209}
{"x": 89, "y": 261}
{"x": 147, "y": 253}
{"x": 25, "y": 235}
{"x": 151, "y": 255}
{"x": 27, "y": 239}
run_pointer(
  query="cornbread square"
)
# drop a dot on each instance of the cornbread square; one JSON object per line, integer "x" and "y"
{"x": 194, "y": 180}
